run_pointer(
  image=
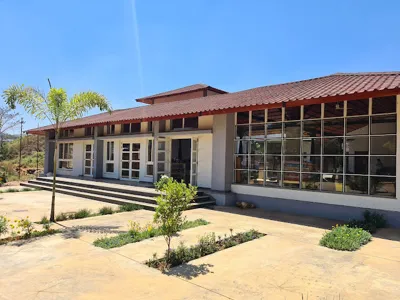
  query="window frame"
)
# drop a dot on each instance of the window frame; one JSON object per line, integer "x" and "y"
{"x": 65, "y": 155}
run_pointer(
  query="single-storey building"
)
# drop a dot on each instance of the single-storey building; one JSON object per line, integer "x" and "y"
{"x": 325, "y": 146}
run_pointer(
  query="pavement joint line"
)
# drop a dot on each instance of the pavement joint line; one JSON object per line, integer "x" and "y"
{"x": 141, "y": 263}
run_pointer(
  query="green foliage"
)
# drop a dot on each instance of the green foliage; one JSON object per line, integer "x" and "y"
{"x": 45, "y": 223}
{"x": 345, "y": 238}
{"x": 81, "y": 214}
{"x": 3, "y": 225}
{"x": 371, "y": 222}
{"x": 106, "y": 210}
{"x": 23, "y": 225}
{"x": 206, "y": 245}
{"x": 35, "y": 234}
{"x": 61, "y": 217}
{"x": 129, "y": 207}
{"x": 174, "y": 199}
{"x": 137, "y": 233}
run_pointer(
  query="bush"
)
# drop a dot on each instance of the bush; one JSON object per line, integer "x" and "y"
{"x": 345, "y": 238}
{"x": 129, "y": 207}
{"x": 3, "y": 225}
{"x": 206, "y": 245}
{"x": 61, "y": 217}
{"x": 80, "y": 214}
{"x": 106, "y": 210}
{"x": 371, "y": 222}
{"x": 46, "y": 223}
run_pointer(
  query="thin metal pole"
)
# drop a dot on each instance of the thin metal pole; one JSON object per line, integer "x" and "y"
{"x": 20, "y": 150}
{"x": 37, "y": 154}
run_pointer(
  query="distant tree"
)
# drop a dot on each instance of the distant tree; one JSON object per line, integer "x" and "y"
{"x": 57, "y": 108}
{"x": 8, "y": 121}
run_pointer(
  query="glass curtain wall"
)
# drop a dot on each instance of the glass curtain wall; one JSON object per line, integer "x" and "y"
{"x": 341, "y": 147}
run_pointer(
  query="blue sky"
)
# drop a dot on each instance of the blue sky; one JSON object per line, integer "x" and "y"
{"x": 232, "y": 45}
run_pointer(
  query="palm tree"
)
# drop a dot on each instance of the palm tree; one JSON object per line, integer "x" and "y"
{"x": 57, "y": 108}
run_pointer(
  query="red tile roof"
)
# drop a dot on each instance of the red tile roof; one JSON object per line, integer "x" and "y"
{"x": 186, "y": 89}
{"x": 335, "y": 87}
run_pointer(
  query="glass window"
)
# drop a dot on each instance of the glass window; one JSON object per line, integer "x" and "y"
{"x": 257, "y": 147}
{"x": 274, "y": 146}
{"x": 332, "y": 183}
{"x": 242, "y": 118}
{"x": 150, "y": 150}
{"x": 334, "y": 127}
{"x": 310, "y": 181}
{"x": 135, "y": 127}
{"x": 312, "y": 111}
{"x": 357, "y": 126}
{"x": 334, "y": 109}
{"x": 274, "y": 130}
{"x": 292, "y": 129}
{"x": 257, "y": 131}
{"x": 177, "y": 124}
{"x": 257, "y": 162}
{"x": 356, "y": 184}
{"x": 150, "y": 170}
{"x": 384, "y": 105}
{"x": 383, "y": 145}
{"x": 150, "y": 126}
{"x": 385, "y": 124}
{"x": 242, "y": 147}
{"x": 241, "y": 177}
{"x": 356, "y": 164}
{"x": 111, "y": 129}
{"x": 333, "y": 146}
{"x": 256, "y": 177}
{"x": 292, "y": 113}
{"x": 312, "y": 128}
{"x": 258, "y": 116}
{"x": 357, "y": 145}
{"x": 311, "y": 164}
{"x": 291, "y": 163}
{"x": 274, "y": 115}
{"x": 241, "y": 162}
{"x": 311, "y": 146}
{"x": 192, "y": 122}
{"x": 358, "y": 107}
{"x": 126, "y": 128}
{"x": 110, "y": 167}
{"x": 291, "y": 146}
{"x": 332, "y": 164}
{"x": 273, "y": 162}
{"x": 383, "y": 186}
{"x": 291, "y": 180}
{"x": 273, "y": 179}
{"x": 383, "y": 165}
{"x": 242, "y": 131}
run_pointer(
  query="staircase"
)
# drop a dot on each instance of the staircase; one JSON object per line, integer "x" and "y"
{"x": 110, "y": 192}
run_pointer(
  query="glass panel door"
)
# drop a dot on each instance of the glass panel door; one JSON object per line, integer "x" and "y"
{"x": 130, "y": 161}
{"x": 194, "y": 159}
{"x": 109, "y": 160}
{"x": 135, "y": 162}
{"x": 88, "y": 160}
{"x": 163, "y": 157}
{"x": 125, "y": 160}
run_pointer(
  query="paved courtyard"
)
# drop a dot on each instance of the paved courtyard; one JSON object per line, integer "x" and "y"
{"x": 287, "y": 263}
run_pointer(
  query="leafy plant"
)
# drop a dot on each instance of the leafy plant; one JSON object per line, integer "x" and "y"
{"x": 206, "y": 245}
{"x": 371, "y": 222}
{"x": 61, "y": 217}
{"x": 23, "y": 225}
{"x": 345, "y": 238}
{"x": 57, "y": 109}
{"x": 81, "y": 214}
{"x": 129, "y": 207}
{"x": 106, "y": 210}
{"x": 174, "y": 199}
{"x": 45, "y": 223}
{"x": 3, "y": 225}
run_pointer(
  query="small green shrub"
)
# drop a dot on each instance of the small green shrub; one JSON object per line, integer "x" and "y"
{"x": 44, "y": 220}
{"x": 106, "y": 210}
{"x": 81, "y": 214}
{"x": 371, "y": 222}
{"x": 345, "y": 238}
{"x": 61, "y": 217}
{"x": 129, "y": 207}
{"x": 11, "y": 190}
{"x": 3, "y": 225}
{"x": 45, "y": 223}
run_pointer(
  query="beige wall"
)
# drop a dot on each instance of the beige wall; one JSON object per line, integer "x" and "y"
{"x": 205, "y": 122}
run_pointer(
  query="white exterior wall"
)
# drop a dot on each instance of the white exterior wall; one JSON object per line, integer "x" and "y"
{"x": 77, "y": 158}
{"x": 204, "y": 161}
{"x": 360, "y": 201}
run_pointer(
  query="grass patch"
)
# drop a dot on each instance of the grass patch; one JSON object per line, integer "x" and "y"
{"x": 206, "y": 245}
{"x": 106, "y": 210}
{"x": 62, "y": 217}
{"x": 345, "y": 238}
{"x": 34, "y": 234}
{"x": 129, "y": 207}
{"x": 134, "y": 236}
{"x": 82, "y": 213}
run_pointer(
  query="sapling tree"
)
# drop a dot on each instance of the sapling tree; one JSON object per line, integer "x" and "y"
{"x": 56, "y": 108}
{"x": 174, "y": 199}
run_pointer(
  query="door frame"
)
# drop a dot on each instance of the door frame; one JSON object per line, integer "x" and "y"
{"x": 84, "y": 159}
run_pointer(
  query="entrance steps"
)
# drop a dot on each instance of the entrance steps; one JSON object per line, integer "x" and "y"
{"x": 110, "y": 192}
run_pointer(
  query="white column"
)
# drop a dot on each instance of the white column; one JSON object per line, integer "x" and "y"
{"x": 156, "y": 130}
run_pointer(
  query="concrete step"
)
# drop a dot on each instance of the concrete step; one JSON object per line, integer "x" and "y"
{"x": 118, "y": 196}
{"x": 127, "y": 195}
